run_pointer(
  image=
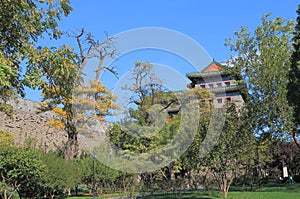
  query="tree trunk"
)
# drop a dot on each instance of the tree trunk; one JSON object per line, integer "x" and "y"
{"x": 224, "y": 193}
{"x": 52, "y": 194}
{"x": 124, "y": 185}
{"x": 296, "y": 139}
{"x": 76, "y": 190}
{"x": 191, "y": 178}
{"x": 172, "y": 173}
{"x": 224, "y": 187}
{"x": 5, "y": 194}
{"x": 72, "y": 145}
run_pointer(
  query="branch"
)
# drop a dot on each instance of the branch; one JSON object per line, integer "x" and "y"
{"x": 79, "y": 44}
{"x": 77, "y": 37}
{"x": 173, "y": 101}
{"x": 296, "y": 139}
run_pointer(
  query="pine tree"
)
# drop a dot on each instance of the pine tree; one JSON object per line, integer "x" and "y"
{"x": 294, "y": 79}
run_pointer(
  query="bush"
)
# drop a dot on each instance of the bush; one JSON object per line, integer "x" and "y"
{"x": 296, "y": 178}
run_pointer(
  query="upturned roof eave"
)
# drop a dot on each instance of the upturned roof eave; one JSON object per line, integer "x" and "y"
{"x": 206, "y": 74}
{"x": 228, "y": 88}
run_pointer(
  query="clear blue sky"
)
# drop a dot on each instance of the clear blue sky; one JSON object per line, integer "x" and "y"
{"x": 208, "y": 22}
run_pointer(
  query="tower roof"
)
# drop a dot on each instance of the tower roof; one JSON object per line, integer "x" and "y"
{"x": 214, "y": 68}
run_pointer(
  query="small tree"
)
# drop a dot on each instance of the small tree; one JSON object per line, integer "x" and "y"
{"x": 232, "y": 153}
{"x": 21, "y": 170}
{"x": 59, "y": 174}
{"x": 146, "y": 91}
{"x": 95, "y": 174}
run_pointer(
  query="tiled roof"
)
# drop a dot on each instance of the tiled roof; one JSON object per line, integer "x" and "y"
{"x": 214, "y": 68}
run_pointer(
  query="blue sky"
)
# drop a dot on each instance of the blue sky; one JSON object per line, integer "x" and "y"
{"x": 206, "y": 22}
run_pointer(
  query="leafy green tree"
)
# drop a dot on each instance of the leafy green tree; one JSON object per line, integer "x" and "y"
{"x": 266, "y": 151}
{"x": 232, "y": 153}
{"x": 146, "y": 91}
{"x": 262, "y": 58}
{"x": 67, "y": 95}
{"x": 6, "y": 140}
{"x": 288, "y": 154}
{"x": 59, "y": 65}
{"x": 135, "y": 133}
{"x": 21, "y": 170}
{"x": 22, "y": 24}
{"x": 94, "y": 173}
{"x": 59, "y": 174}
{"x": 55, "y": 71}
{"x": 293, "y": 94}
{"x": 190, "y": 163}
{"x": 150, "y": 128}
{"x": 7, "y": 77}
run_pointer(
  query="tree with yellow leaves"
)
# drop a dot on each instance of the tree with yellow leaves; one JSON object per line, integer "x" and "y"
{"x": 68, "y": 96}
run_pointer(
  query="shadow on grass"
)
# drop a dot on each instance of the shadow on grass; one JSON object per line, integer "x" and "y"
{"x": 183, "y": 195}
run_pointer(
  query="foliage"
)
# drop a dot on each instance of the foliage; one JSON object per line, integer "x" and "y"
{"x": 262, "y": 58}
{"x": 160, "y": 130}
{"x": 288, "y": 154}
{"x": 21, "y": 170}
{"x": 6, "y": 139}
{"x": 93, "y": 172}
{"x": 22, "y": 24}
{"x": 146, "y": 91}
{"x": 149, "y": 128}
{"x": 134, "y": 132}
{"x": 55, "y": 71}
{"x": 7, "y": 77}
{"x": 233, "y": 151}
{"x": 67, "y": 95}
{"x": 33, "y": 173}
{"x": 7, "y": 84}
{"x": 191, "y": 159}
{"x": 7, "y": 109}
{"x": 293, "y": 94}
{"x": 59, "y": 174}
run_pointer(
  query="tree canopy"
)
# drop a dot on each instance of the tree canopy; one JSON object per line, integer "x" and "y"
{"x": 293, "y": 94}
{"x": 262, "y": 58}
{"x": 22, "y": 24}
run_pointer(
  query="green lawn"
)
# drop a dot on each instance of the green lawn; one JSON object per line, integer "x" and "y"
{"x": 263, "y": 195}
{"x": 265, "y": 192}
{"x": 231, "y": 195}
{"x": 280, "y": 191}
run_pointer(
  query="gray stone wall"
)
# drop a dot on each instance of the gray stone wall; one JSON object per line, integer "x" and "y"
{"x": 26, "y": 125}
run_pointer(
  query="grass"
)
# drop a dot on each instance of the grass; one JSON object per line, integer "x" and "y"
{"x": 278, "y": 191}
{"x": 103, "y": 197}
{"x": 263, "y": 195}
